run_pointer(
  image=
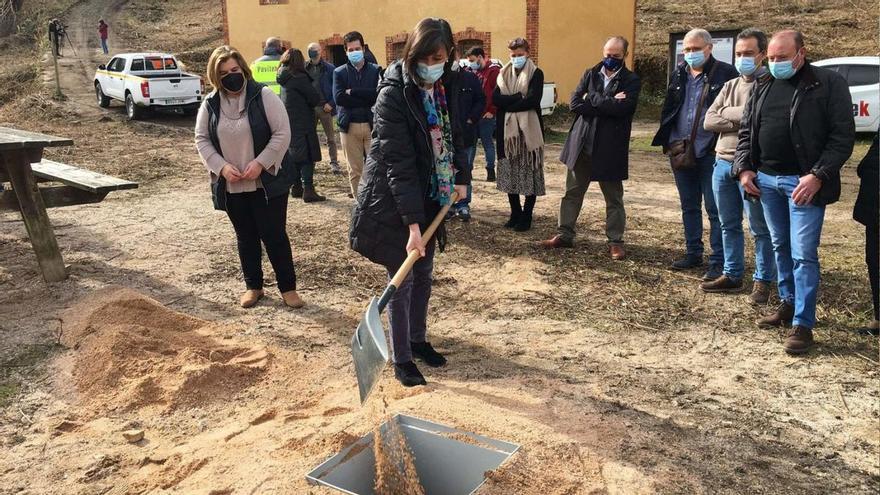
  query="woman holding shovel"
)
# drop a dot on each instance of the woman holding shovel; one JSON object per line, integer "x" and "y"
{"x": 417, "y": 162}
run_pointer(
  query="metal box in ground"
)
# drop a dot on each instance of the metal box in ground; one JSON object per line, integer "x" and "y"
{"x": 448, "y": 461}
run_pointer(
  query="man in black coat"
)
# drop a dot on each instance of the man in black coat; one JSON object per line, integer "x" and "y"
{"x": 597, "y": 147}
{"x": 867, "y": 213}
{"x": 471, "y": 102}
{"x": 680, "y": 117}
{"x": 797, "y": 131}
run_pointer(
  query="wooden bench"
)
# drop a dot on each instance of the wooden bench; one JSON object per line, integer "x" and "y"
{"x": 80, "y": 186}
{"x": 21, "y": 164}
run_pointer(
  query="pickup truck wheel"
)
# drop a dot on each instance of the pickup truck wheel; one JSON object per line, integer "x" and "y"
{"x": 103, "y": 100}
{"x": 133, "y": 111}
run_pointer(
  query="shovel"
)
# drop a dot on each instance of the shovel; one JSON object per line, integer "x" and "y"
{"x": 369, "y": 349}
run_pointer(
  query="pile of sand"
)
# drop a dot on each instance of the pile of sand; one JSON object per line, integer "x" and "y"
{"x": 395, "y": 464}
{"x": 132, "y": 352}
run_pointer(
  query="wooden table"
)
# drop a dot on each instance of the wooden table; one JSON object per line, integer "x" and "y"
{"x": 18, "y": 150}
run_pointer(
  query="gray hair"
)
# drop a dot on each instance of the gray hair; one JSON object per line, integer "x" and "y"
{"x": 622, "y": 40}
{"x": 314, "y": 45}
{"x": 274, "y": 42}
{"x": 699, "y": 33}
{"x": 756, "y": 33}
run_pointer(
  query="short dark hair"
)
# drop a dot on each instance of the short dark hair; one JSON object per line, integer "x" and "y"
{"x": 352, "y": 37}
{"x": 476, "y": 51}
{"x": 517, "y": 43}
{"x": 756, "y": 33}
{"x": 429, "y": 35}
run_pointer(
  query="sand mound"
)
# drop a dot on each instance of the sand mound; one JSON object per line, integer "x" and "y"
{"x": 132, "y": 352}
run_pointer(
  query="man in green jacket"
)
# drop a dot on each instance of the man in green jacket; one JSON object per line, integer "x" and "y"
{"x": 265, "y": 68}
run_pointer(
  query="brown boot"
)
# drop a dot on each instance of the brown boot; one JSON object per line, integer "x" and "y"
{"x": 617, "y": 251}
{"x": 250, "y": 298}
{"x": 557, "y": 242}
{"x": 311, "y": 196}
{"x": 760, "y": 292}
{"x": 292, "y": 299}
{"x": 722, "y": 284}
{"x": 781, "y": 318}
{"x": 798, "y": 340}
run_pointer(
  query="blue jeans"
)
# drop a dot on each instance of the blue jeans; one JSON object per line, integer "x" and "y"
{"x": 795, "y": 231}
{"x": 730, "y": 202}
{"x": 104, "y": 46}
{"x": 471, "y": 151}
{"x": 486, "y": 134}
{"x": 694, "y": 188}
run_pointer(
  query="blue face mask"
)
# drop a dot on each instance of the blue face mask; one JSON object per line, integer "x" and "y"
{"x": 313, "y": 54}
{"x": 356, "y": 56}
{"x": 782, "y": 70}
{"x": 695, "y": 59}
{"x": 475, "y": 65}
{"x": 745, "y": 65}
{"x": 430, "y": 73}
{"x": 612, "y": 64}
{"x": 519, "y": 62}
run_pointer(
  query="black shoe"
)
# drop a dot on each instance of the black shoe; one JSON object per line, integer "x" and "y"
{"x": 296, "y": 191}
{"x": 713, "y": 273}
{"x": 687, "y": 263}
{"x": 408, "y": 374}
{"x": 524, "y": 224}
{"x": 514, "y": 220}
{"x": 490, "y": 175}
{"x": 425, "y": 352}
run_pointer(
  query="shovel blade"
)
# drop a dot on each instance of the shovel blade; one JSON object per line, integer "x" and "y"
{"x": 369, "y": 350}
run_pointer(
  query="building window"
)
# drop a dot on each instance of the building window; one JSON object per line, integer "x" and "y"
{"x": 394, "y": 47}
{"x": 469, "y": 38}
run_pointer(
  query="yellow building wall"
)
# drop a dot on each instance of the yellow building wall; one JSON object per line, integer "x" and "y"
{"x": 572, "y": 34}
{"x": 571, "y": 31}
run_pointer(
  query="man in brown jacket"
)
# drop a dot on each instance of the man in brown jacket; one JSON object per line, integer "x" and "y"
{"x": 724, "y": 117}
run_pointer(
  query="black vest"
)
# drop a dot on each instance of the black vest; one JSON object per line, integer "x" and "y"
{"x": 273, "y": 185}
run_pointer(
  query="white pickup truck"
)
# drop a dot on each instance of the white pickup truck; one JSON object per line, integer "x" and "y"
{"x": 148, "y": 80}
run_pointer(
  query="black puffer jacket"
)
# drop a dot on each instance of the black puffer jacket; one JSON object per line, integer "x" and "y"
{"x": 300, "y": 98}
{"x": 867, "y": 208}
{"x": 396, "y": 182}
{"x": 821, "y": 124}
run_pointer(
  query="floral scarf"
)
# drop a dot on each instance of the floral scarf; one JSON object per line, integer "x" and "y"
{"x": 440, "y": 131}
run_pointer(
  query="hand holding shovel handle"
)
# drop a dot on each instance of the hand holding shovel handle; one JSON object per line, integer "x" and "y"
{"x": 413, "y": 255}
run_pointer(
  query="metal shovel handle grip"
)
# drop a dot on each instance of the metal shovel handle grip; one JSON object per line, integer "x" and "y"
{"x": 413, "y": 255}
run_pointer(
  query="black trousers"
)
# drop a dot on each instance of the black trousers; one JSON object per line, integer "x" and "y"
{"x": 872, "y": 258}
{"x": 255, "y": 220}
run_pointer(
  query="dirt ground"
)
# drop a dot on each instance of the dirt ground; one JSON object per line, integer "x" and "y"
{"x": 615, "y": 377}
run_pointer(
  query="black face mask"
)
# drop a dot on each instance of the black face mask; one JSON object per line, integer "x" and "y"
{"x": 233, "y": 82}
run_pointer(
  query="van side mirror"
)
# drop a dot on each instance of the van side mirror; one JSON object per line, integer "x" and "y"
{"x": 102, "y": 67}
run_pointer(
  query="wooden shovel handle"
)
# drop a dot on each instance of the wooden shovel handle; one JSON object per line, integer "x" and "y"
{"x": 413, "y": 255}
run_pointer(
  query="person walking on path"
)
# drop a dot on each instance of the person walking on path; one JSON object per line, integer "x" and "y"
{"x": 102, "y": 32}
{"x": 520, "y": 134}
{"x": 242, "y": 135}
{"x": 300, "y": 99}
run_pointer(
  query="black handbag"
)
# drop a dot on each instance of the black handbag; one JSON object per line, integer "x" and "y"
{"x": 218, "y": 194}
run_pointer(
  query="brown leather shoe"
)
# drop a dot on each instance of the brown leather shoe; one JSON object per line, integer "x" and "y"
{"x": 250, "y": 298}
{"x": 798, "y": 340}
{"x": 292, "y": 299}
{"x": 760, "y": 292}
{"x": 618, "y": 252}
{"x": 781, "y": 318}
{"x": 722, "y": 284}
{"x": 557, "y": 242}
